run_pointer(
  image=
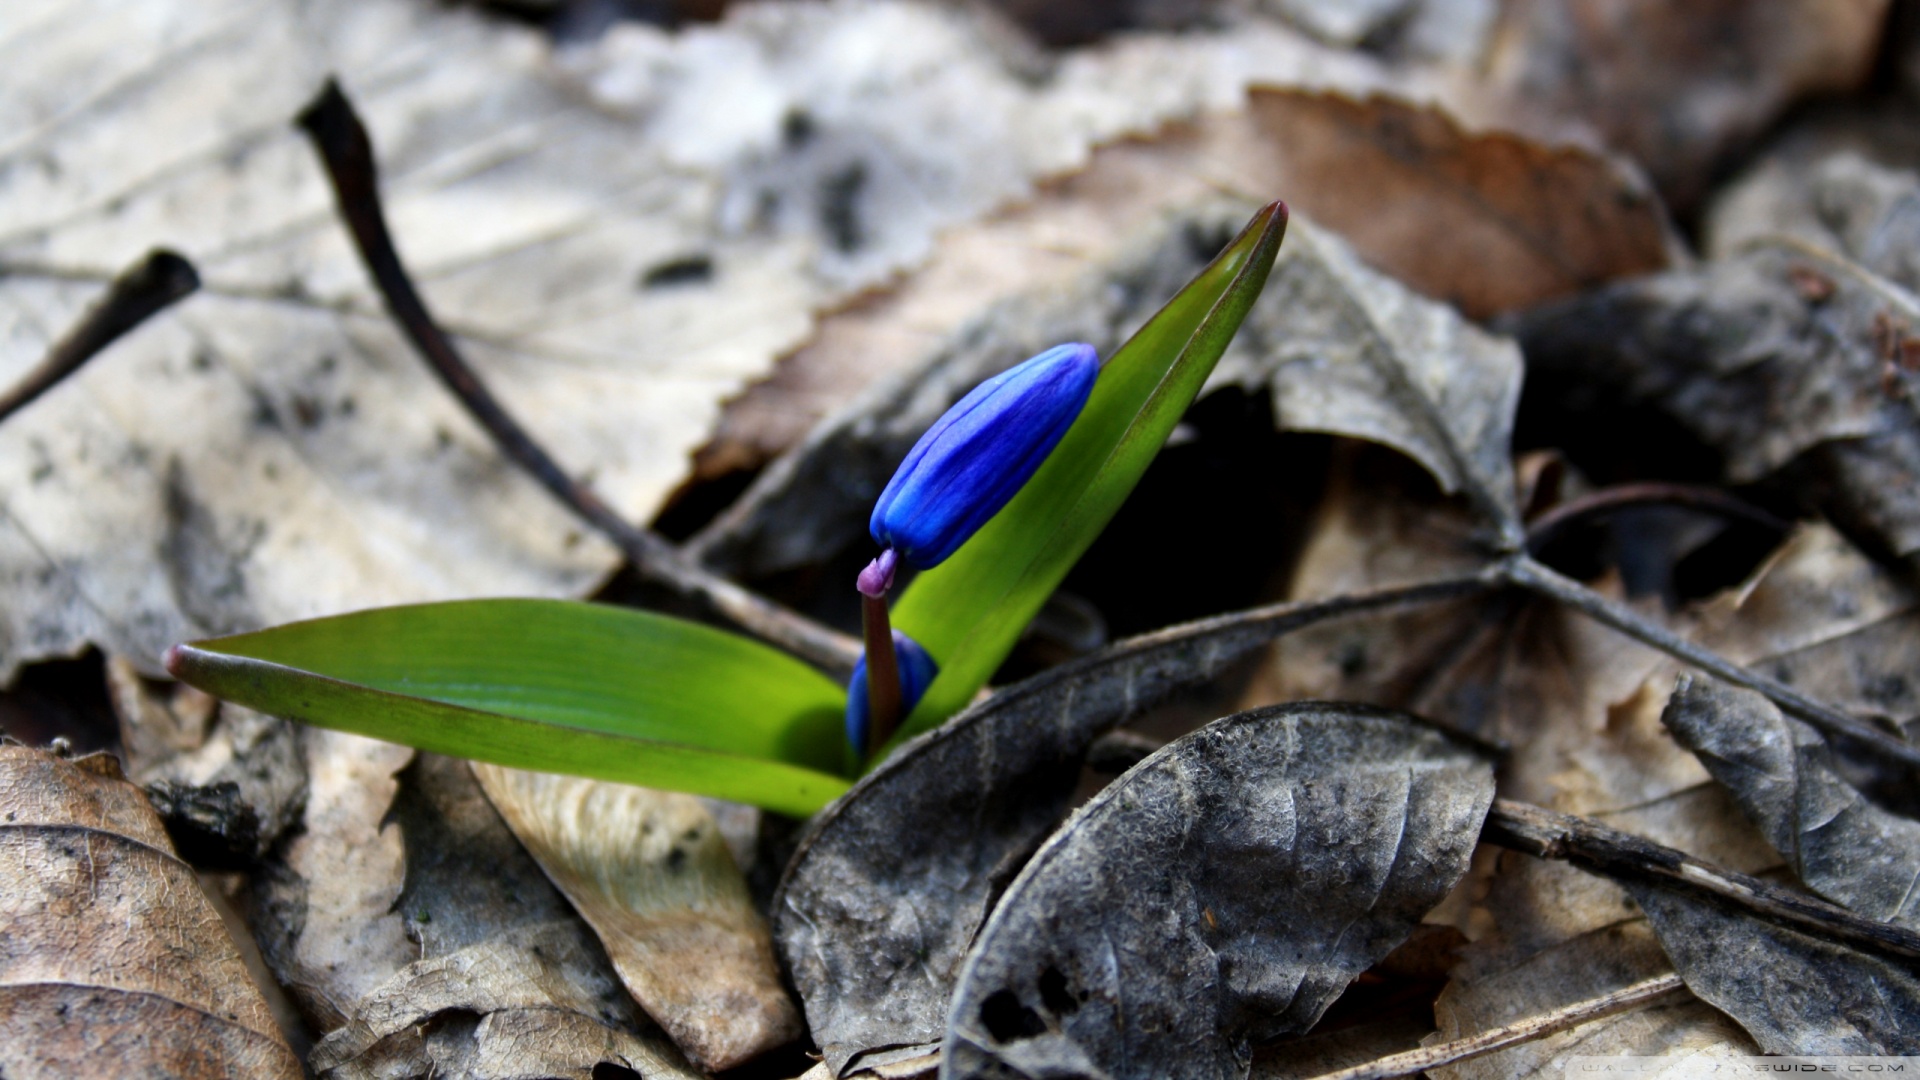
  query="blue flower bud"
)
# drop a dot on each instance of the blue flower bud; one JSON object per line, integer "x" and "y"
{"x": 974, "y": 458}
{"x": 917, "y": 670}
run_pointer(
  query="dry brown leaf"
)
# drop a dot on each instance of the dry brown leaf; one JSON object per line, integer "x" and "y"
{"x": 112, "y": 962}
{"x": 651, "y": 873}
{"x": 1488, "y": 221}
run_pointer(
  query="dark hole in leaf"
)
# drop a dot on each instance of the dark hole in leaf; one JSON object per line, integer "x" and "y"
{"x": 1007, "y": 1020}
{"x": 1055, "y": 994}
{"x": 61, "y": 699}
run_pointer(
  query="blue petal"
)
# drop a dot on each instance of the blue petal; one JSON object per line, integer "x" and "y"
{"x": 917, "y": 670}
{"x": 978, "y": 455}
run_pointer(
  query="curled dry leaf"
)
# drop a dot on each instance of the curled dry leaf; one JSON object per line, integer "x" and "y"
{"x": 1839, "y": 842}
{"x": 1488, "y": 221}
{"x": 112, "y": 961}
{"x": 1781, "y": 356}
{"x": 1794, "y": 992}
{"x": 892, "y": 882}
{"x": 503, "y": 980}
{"x": 1226, "y": 889}
{"x": 651, "y": 873}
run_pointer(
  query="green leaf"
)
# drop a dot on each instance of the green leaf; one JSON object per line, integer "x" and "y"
{"x": 969, "y": 610}
{"x": 585, "y": 689}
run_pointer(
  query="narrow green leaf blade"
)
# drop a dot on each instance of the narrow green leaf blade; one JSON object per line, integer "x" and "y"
{"x": 564, "y": 687}
{"x": 969, "y": 610}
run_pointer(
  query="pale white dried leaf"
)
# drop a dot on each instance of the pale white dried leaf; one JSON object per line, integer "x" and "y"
{"x": 652, "y": 874}
{"x": 325, "y": 909}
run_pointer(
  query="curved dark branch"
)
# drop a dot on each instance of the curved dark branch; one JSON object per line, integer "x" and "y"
{"x": 347, "y": 151}
{"x": 142, "y": 291}
{"x": 1544, "y": 529}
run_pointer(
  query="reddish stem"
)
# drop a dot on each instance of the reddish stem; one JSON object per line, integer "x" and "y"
{"x": 883, "y": 673}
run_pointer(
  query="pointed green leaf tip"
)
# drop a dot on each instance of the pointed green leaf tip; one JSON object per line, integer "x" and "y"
{"x": 555, "y": 686}
{"x": 969, "y": 610}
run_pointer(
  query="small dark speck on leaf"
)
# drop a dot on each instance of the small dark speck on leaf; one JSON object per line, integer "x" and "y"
{"x": 797, "y": 128}
{"x": 684, "y": 270}
{"x": 840, "y": 207}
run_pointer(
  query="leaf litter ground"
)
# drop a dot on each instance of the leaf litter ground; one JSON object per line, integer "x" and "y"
{"x": 1576, "y": 709}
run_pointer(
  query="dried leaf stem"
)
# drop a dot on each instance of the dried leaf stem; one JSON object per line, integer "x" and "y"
{"x": 143, "y": 290}
{"x": 1593, "y": 846}
{"x": 1627, "y": 998}
{"x": 347, "y": 151}
{"x": 1545, "y": 528}
{"x": 1529, "y": 574}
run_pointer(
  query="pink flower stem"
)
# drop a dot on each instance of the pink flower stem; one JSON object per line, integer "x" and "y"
{"x": 883, "y": 673}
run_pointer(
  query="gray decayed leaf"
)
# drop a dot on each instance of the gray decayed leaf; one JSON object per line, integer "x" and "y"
{"x": 1783, "y": 355}
{"x": 504, "y": 980}
{"x": 1348, "y": 351}
{"x": 1794, "y": 992}
{"x": 1679, "y": 86}
{"x": 112, "y": 961}
{"x": 1840, "y": 200}
{"x": 888, "y": 888}
{"x": 1841, "y": 844}
{"x": 1341, "y": 349}
{"x": 1227, "y": 889}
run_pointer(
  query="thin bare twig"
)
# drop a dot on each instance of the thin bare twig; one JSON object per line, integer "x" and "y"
{"x": 1545, "y": 528}
{"x": 142, "y": 291}
{"x": 347, "y": 151}
{"x": 1593, "y": 846}
{"x": 1529, "y": 574}
{"x": 1639, "y": 995}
